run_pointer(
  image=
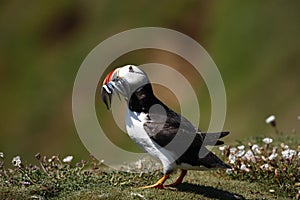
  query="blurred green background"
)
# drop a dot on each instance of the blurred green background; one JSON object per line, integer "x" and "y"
{"x": 255, "y": 44}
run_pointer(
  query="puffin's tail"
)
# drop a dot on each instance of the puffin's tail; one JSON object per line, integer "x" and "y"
{"x": 213, "y": 138}
{"x": 212, "y": 161}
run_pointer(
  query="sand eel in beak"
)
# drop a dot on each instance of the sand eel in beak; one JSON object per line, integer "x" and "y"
{"x": 157, "y": 129}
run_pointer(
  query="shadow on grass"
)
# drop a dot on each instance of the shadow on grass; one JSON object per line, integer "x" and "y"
{"x": 208, "y": 191}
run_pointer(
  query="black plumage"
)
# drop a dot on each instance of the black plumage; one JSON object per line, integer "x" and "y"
{"x": 163, "y": 125}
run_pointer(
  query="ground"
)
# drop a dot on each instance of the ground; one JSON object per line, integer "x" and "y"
{"x": 53, "y": 178}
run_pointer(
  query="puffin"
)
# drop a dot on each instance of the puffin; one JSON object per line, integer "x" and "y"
{"x": 158, "y": 130}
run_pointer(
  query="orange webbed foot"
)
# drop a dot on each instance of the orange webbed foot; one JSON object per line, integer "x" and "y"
{"x": 158, "y": 184}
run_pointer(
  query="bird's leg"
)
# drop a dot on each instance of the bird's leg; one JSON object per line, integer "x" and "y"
{"x": 179, "y": 180}
{"x": 159, "y": 183}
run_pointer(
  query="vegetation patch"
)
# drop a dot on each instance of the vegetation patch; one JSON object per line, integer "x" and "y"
{"x": 263, "y": 168}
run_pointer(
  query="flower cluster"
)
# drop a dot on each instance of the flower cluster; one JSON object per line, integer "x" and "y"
{"x": 263, "y": 161}
{"x": 50, "y": 176}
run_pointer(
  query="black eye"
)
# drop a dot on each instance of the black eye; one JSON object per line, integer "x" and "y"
{"x": 131, "y": 69}
{"x": 116, "y": 78}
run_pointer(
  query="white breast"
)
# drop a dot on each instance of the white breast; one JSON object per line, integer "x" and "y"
{"x": 136, "y": 131}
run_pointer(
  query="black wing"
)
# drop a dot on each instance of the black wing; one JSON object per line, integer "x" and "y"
{"x": 163, "y": 127}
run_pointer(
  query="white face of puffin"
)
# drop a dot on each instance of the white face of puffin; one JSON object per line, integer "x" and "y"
{"x": 124, "y": 80}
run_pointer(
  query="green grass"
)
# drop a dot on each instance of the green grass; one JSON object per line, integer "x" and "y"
{"x": 117, "y": 185}
{"x": 54, "y": 179}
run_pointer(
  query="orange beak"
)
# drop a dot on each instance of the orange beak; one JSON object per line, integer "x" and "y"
{"x": 108, "y": 77}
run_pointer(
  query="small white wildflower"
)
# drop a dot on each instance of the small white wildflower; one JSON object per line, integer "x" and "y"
{"x": 229, "y": 171}
{"x": 248, "y": 155}
{"x": 222, "y": 148}
{"x": 267, "y": 140}
{"x": 271, "y": 120}
{"x": 292, "y": 152}
{"x": 255, "y": 149}
{"x": 1, "y": 155}
{"x": 285, "y": 154}
{"x": 244, "y": 168}
{"x": 68, "y": 159}
{"x": 271, "y": 190}
{"x": 273, "y": 156}
{"x": 231, "y": 158}
{"x": 232, "y": 150}
{"x": 265, "y": 166}
{"x": 299, "y": 155}
{"x": 288, "y": 154}
{"x": 240, "y": 153}
{"x": 241, "y": 147}
{"x": 286, "y": 147}
{"x": 16, "y": 161}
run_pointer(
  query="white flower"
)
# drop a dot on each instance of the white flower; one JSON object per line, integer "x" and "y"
{"x": 267, "y": 140}
{"x": 16, "y": 161}
{"x": 288, "y": 154}
{"x": 255, "y": 149}
{"x": 273, "y": 156}
{"x": 270, "y": 119}
{"x": 299, "y": 154}
{"x": 222, "y": 148}
{"x": 1, "y": 155}
{"x": 241, "y": 147}
{"x": 68, "y": 159}
{"x": 265, "y": 166}
{"x": 229, "y": 171}
{"x": 248, "y": 155}
{"x": 244, "y": 168}
{"x": 240, "y": 153}
{"x": 232, "y": 150}
{"x": 231, "y": 158}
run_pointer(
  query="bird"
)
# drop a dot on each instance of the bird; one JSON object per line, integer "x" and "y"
{"x": 158, "y": 130}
